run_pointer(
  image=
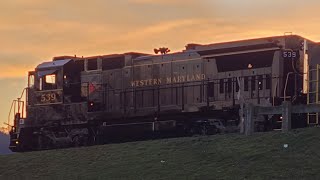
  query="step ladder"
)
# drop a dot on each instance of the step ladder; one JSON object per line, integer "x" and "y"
{"x": 313, "y": 94}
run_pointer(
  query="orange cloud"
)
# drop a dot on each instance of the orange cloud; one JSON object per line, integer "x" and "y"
{"x": 10, "y": 71}
{"x": 163, "y": 2}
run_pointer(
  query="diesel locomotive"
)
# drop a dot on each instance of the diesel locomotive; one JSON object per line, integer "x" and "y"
{"x": 75, "y": 101}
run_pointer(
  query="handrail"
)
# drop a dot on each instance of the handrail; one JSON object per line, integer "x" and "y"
{"x": 179, "y": 84}
{"x": 285, "y": 86}
{"x": 24, "y": 90}
{"x": 12, "y": 104}
{"x": 16, "y": 106}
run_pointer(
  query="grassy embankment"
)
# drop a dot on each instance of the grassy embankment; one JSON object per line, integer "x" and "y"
{"x": 230, "y": 156}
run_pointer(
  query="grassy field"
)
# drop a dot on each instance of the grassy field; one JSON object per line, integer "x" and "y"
{"x": 230, "y": 156}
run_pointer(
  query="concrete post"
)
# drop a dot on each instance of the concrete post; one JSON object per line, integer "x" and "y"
{"x": 249, "y": 119}
{"x": 286, "y": 116}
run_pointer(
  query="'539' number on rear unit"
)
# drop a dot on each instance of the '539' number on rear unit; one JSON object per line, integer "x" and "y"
{"x": 289, "y": 54}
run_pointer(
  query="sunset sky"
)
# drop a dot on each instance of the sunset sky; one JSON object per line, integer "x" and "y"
{"x": 32, "y": 31}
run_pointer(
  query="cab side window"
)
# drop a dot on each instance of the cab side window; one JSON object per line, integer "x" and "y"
{"x": 92, "y": 64}
{"x": 48, "y": 82}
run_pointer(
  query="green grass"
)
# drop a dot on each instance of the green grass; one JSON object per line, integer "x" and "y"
{"x": 230, "y": 156}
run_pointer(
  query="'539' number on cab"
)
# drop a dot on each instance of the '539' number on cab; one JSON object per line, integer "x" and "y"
{"x": 48, "y": 98}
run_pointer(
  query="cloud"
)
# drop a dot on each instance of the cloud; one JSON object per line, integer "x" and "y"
{"x": 162, "y": 2}
{"x": 11, "y": 71}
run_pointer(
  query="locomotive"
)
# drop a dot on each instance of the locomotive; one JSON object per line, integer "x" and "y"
{"x": 75, "y": 101}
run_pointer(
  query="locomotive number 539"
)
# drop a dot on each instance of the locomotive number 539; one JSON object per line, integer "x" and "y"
{"x": 49, "y": 97}
{"x": 290, "y": 54}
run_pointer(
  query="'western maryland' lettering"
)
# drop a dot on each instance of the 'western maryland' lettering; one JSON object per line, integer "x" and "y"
{"x": 168, "y": 80}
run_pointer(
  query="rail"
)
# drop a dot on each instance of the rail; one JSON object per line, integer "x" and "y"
{"x": 313, "y": 93}
{"x": 134, "y": 97}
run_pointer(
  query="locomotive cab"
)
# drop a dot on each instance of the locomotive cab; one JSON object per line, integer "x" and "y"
{"x": 55, "y": 82}
{"x": 52, "y": 86}
{"x": 55, "y": 91}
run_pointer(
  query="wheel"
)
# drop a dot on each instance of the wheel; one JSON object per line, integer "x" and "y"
{"x": 204, "y": 130}
{"x": 76, "y": 141}
{"x": 80, "y": 141}
{"x": 44, "y": 143}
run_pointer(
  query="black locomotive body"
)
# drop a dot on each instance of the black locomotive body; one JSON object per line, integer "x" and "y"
{"x": 80, "y": 101}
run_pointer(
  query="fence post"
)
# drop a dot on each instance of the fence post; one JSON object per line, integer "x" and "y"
{"x": 249, "y": 119}
{"x": 242, "y": 117}
{"x": 286, "y": 116}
